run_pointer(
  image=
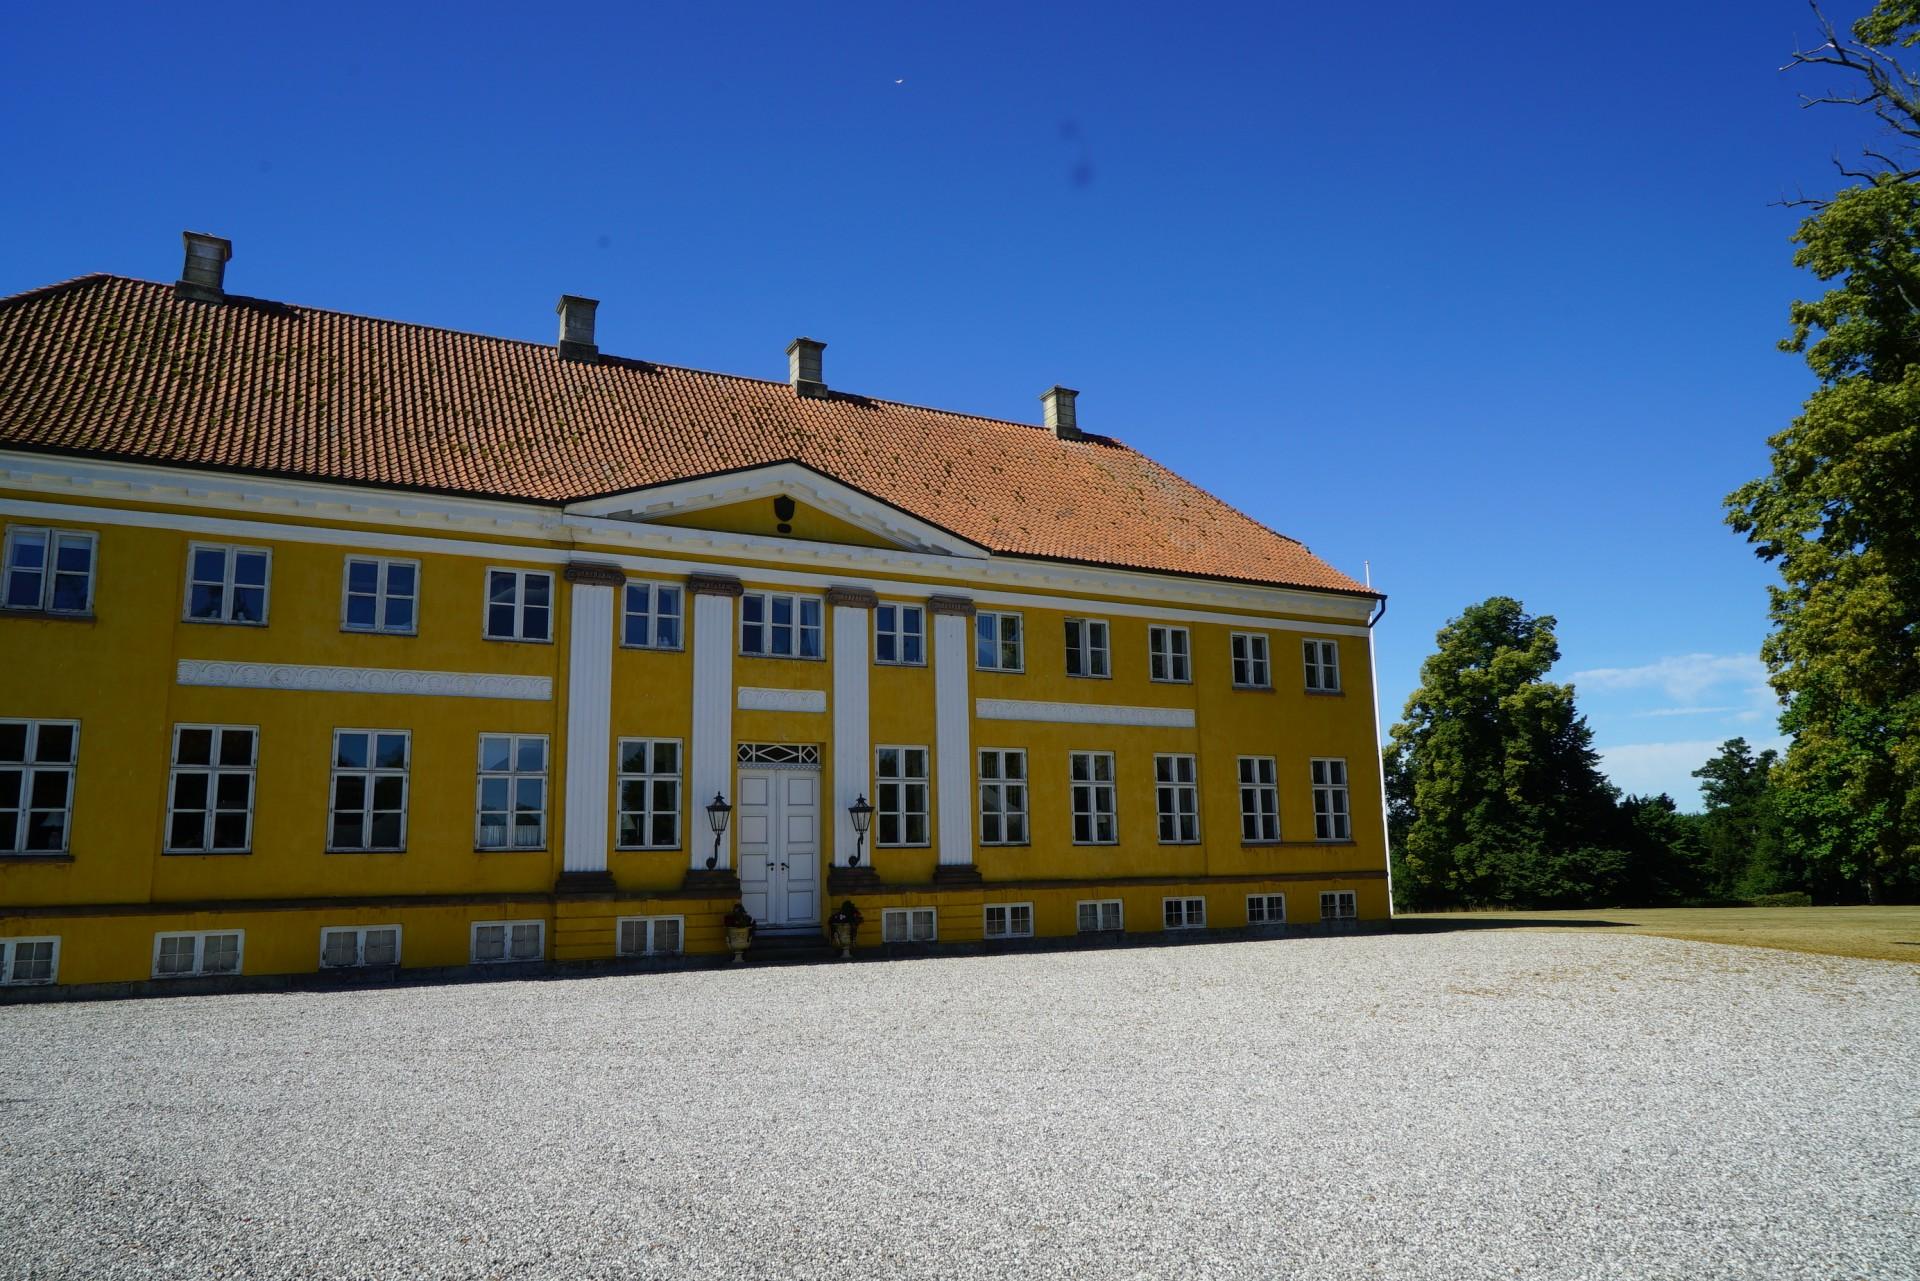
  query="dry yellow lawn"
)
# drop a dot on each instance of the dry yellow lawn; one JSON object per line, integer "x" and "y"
{"x": 1881, "y": 933}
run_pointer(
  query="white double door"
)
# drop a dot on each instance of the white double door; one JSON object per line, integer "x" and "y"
{"x": 778, "y": 821}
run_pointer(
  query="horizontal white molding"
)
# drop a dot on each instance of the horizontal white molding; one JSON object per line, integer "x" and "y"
{"x": 753, "y": 698}
{"x": 363, "y": 680}
{"x": 1016, "y": 709}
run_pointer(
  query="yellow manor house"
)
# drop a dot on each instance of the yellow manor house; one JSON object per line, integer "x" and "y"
{"x": 342, "y": 643}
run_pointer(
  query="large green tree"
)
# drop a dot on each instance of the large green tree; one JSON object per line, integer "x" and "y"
{"x": 1494, "y": 787}
{"x": 1839, "y": 512}
{"x": 1742, "y": 853}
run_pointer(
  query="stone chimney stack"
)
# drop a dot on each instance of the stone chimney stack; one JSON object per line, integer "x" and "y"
{"x": 576, "y": 329}
{"x": 1061, "y": 420}
{"x": 203, "y": 278}
{"x": 803, "y": 367}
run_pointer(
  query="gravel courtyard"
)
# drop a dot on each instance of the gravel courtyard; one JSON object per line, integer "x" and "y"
{"x": 1484, "y": 1104}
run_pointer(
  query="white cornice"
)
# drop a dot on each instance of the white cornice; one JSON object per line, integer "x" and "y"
{"x": 754, "y": 698}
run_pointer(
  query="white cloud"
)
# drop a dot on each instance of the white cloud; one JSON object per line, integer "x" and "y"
{"x": 1682, "y": 677}
{"x": 1649, "y": 768}
{"x": 1690, "y": 711}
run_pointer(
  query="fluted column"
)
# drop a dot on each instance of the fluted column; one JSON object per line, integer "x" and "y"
{"x": 583, "y": 862}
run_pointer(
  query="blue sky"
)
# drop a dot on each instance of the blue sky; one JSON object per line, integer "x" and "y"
{"x": 1487, "y": 297}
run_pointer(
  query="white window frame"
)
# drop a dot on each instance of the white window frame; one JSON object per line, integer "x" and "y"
{"x": 1252, "y": 657}
{"x": 1322, "y": 661}
{"x": 1187, "y": 920}
{"x": 1332, "y": 800}
{"x": 214, "y": 770}
{"x": 900, "y": 633}
{"x": 51, "y": 537}
{"x": 650, "y": 932}
{"x": 1095, "y": 788}
{"x": 230, "y": 556}
{"x": 913, "y": 917}
{"x": 514, "y": 776}
{"x": 1100, "y": 906}
{"x": 654, "y": 592}
{"x": 1090, "y": 648}
{"x": 1344, "y": 903}
{"x": 506, "y": 956}
{"x": 521, "y": 577}
{"x": 899, "y": 805}
{"x": 1259, "y": 798}
{"x": 382, "y": 593}
{"x": 359, "y": 932}
{"x": 372, "y": 774}
{"x": 15, "y": 842}
{"x": 647, "y": 780}
{"x": 1265, "y": 903}
{"x": 997, "y": 784}
{"x": 1184, "y": 793}
{"x": 10, "y": 960}
{"x": 1007, "y": 912}
{"x": 200, "y": 938}
{"x": 1169, "y": 663}
{"x": 797, "y": 626}
{"x": 998, "y": 619}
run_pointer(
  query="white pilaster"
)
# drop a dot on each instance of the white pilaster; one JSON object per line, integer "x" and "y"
{"x": 953, "y": 730}
{"x": 852, "y": 625}
{"x": 589, "y": 712}
{"x": 710, "y": 757}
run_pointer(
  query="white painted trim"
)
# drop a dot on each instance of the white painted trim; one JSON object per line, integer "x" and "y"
{"x": 589, "y": 727}
{"x": 953, "y": 738}
{"x": 710, "y": 767}
{"x": 228, "y": 553}
{"x": 1263, "y": 899}
{"x": 199, "y": 938}
{"x": 909, "y": 913}
{"x": 1015, "y": 709}
{"x": 651, "y": 921}
{"x": 381, "y": 565}
{"x": 852, "y": 727}
{"x": 986, "y": 910}
{"x": 754, "y": 698}
{"x": 1186, "y": 901}
{"x": 1100, "y": 902}
{"x": 360, "y": 943}
{"x": 473, "y": 931}
{"x": 1386, "y": 831}
{"x": 8, "y": 958}
{"x": 362, "y": 680}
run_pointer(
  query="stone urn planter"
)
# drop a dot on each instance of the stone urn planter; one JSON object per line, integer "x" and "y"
{"x": 842, "y": 926}
{"x": 739, "y": 928}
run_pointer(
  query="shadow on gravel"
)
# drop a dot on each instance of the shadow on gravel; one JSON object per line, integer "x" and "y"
{"x": 1481, "y": 922}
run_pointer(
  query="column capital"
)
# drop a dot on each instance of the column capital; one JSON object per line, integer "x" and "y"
{"x": 852, "y": 597}
{"x": 713, "y": 585}
{"x": 961, "y": 605}
{"x": 598, "y": 573}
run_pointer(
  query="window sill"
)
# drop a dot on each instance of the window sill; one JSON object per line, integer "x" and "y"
{"x": 1005, "y": 845}
{"x": 1253, "y": 689}
{"x": 1179, "y": 844}
{"x": 51, "y": 615}
{"x": 495, "y": 849}
{"x": 204, "y": 853}
{"x": 1087, "y": 676}
{"x": 648, "y": 849}
{"x": 1000, "y": 671}
{"x": 1168, "y": 680}
{"x": 224, "y": 622}
{"x": 1324, "y": 693}
{"x": 23, "y": 856}
{"x": 786, "y": 658}
{"x": 1094, "y": 845}
{"x": 882, "y": 662}
{"x": 1261, "y": 845}
{"x": 921, "y": 845}
{"x": 653, "y": 649}
{"x": 377, "y": 631}
{"x": 401, "y": 850}
{"x": 518, "y": 640}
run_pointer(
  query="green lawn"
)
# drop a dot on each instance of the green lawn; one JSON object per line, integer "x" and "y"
{"x": 1881, "y": 933}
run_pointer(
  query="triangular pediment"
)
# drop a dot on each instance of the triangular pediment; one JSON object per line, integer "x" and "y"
{"x": 786, "y": 500}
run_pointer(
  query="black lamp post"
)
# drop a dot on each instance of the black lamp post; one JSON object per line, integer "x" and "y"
{"x": 717, "y": 814}
{"x": 862, "y": 815}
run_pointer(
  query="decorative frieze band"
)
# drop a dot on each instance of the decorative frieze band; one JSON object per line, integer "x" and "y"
{"x": 596, "y": 572}
{"x": 1014, "y": 709}
{"x": 755, "y": 699}
{"x": 363, "y": 680}
{"x": 852, "y": 597}
{"x": 960, "y": 605}
{"x": 713, "y": 585}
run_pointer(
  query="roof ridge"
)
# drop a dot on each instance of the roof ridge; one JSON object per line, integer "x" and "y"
{"x": 60, "y": 286}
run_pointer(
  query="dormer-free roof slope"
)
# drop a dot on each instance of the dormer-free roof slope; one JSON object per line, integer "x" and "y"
{"x": 106, "y": 366}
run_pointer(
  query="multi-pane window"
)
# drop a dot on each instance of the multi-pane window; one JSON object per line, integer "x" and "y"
{"x": 1099, "y": 915}
{"x": 997, "y": 642}
{"x": 519, "y": 605}
{"x": 1330, "y": 818}
{"x": 1323, "y": 665}
{"x": 1094, "y": 821}
{"x": 649, "y": 793}
{"x": 899, "y": 634}
{"x": 1087, "y": 647}
{"x": 1003, "y": 796}
{"x": 1183, "y": 913}
{"x": 1259, "y": 799}
{"x": 227, "y": 584}
{"x": 1337, "y": 905}
{"x": 907, "y": 925}
{"x": 1009, "y": 920}
{"x": 188, "y": 955}
{"x": 651, "y": 935}
{"x": 352, "y": 947}
{"x": 36, "y": 785}
{"x": 500, "y": 942}
{"x": 369, "y": 805}
{"x": 210, "y": 794}
{"x": 777, "y": 625}
{"x": 1169, "y": 654}
{"x": 511, "y": 806}
{"x": 900, "y": 784}
{"x": 1177, "y": 797}
{"x": 653, "y": 616}
{"x": 380, "y": 595}
{"x": 1266, "y": 909}
{"x": 1250, "y": 669}
{"x": 49, "y": 570}
{"x": 25, "y": 961}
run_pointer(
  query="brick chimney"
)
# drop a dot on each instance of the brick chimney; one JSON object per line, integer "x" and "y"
{"x": 203, "y": 278}
{"x": 803, "y": 367}
{"x": 576, "y": 329}
{"x": 1060, "y": 418}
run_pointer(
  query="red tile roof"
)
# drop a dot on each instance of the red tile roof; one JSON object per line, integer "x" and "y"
{"x": 108, "y": 366}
